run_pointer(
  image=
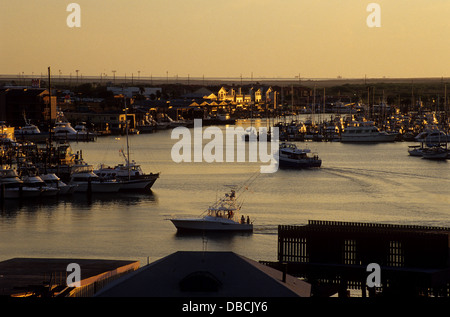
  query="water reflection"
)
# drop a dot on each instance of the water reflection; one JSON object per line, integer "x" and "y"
{"x": 11, "y": 208}
{"x": 120, "y": 199}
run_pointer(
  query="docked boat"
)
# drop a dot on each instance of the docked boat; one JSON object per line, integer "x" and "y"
{"x": 130, "y": 174}
{"x": 12, "y": 186}
{"x": 87, "y": 181}
{"x": 32, "y": 133}
{"x": 35, "y": 181}
{"x": 63, "y": 130}
{"x": 435, "y": 152}
{"x": 290, "y": 156}
{"x": 432, "y": 135}
{"x": 52, "y": 180}
{"x": 415, "y": 150}
{"x": 366, "y": 132}
{"x": 222, "y": 216}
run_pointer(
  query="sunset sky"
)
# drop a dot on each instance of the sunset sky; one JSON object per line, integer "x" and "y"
{"x": 266, "y": 38}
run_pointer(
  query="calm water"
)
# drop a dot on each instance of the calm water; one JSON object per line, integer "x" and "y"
{"x": 365, "y": 183}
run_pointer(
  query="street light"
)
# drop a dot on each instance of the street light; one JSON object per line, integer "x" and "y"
{"x": 114, "y": 74}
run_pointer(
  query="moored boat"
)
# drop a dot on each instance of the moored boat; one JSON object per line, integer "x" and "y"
{"x": 35, "y": 181}
{"x": 130, "y": 175}
{"x": 366, "y": 132}
{"x": 87, "y": 181}
{"x": 52, "y": 180}
{"x": 63, "y": 130}
{"x": 435, "y": 152}
{"x": 415, "y": 150}
{"x": 432, "y": 135}
{"x": 12, "y": 186}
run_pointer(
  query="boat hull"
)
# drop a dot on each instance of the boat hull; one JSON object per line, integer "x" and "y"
{"x": 200, "y": 225}
{"x": 299, "y": 164}
{"x": 138, "y": 184}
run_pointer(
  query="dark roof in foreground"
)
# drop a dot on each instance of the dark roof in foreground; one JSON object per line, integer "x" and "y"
{"x": 215, "y": 274}
{"x": 22, "y": 275}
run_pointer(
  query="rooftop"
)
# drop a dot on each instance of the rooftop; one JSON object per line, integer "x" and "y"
{"x": 206, "y": 274}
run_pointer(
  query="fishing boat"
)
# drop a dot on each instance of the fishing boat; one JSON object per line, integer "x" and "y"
{"x": 12, "y": 186}
{"x": 366, "y": 132}
{"x": 415, "y": 150}
{"x": 63, "y": 130}
{"x": 88, "y": 182}
{"x": 35, "y": 181}
{"x": 222, "y": 216}
{"x": 130, "y": 174}
{"x": 52, "y": 180}
{"x": 432, "y": 135}
{"x": 435, "y": 152}
{"x": 290, "y": 156}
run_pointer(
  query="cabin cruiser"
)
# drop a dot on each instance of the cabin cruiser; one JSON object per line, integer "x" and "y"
{"x": 432, "y": 135}
{"x": 63, "y": 130}
{"x": 27, "y": 129}
{"x": 435, "y": 152}
{"x": 290, "y": 156}
{"x": 35, "y": 181}
{"x": 12, "y": 186}
{"x": 415, "y": 150}
{"x": 220, "y": 217}
{"x": 30, "y": 132}
{"x": 52, "y": 180}
{"x": 130, "y": 175}
{"x": 366, "y": 132}
{"x": 87, "y": 181}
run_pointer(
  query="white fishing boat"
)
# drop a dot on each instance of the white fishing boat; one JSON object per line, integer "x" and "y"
{"x": 222, "y": 216}
{"x": 432, "y": 135}
{"x": 28, "y": 129}
{"x": 130, "y": 174}
{"x": 12, "y": 186}
{"x": 63, "y": 130}
{"x": 35, "y": 181}
{"x": 290, "y": 156}
{"x": 366, "y": 132}
{"x": 52, "y": 180}
{"x": 87, "y": 181}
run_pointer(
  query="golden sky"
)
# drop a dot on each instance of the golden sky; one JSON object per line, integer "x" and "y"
{"x": 228, "y": 38}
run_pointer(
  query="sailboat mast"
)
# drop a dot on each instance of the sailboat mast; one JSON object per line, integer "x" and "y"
{"x": 126, "y": 128}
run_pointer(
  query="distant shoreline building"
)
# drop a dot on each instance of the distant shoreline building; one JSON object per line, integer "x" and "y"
{"x": 18, "y": 104}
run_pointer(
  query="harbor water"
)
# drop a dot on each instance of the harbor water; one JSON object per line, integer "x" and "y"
{"x": 357, "y": 183}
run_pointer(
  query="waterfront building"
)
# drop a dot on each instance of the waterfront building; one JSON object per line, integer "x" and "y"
{"x": 334, "y": 257}
{"x": 18, "y": 104}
